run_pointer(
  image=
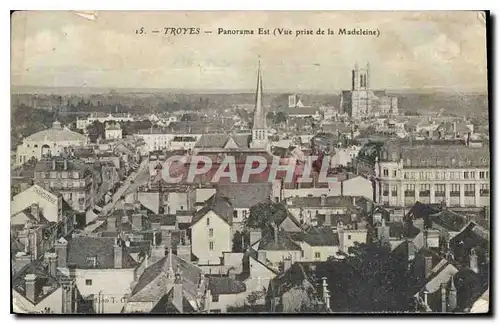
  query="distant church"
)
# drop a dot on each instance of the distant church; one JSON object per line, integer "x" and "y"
{"x": 362, "y": 101}
{"x": 260, "y": 134}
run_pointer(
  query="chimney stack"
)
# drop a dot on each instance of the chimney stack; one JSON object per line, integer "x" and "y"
{"x": 255, "y": 236}
{"x": 178, "y": 296}
{"x": 427, "y": 266}
{"x": 111, "y": 223}
{"x": 31, "y": 292}
{"x": 261, "y": 256}
{"x": 62, "y": 253}
{"x": 54, "y": 164}
{"x": 326, "y": 293}
{"x": 118, "y": 254}
{"x": 452, "y": 297}
{"x": 287, "y": 263}
{"x": 52, "y": 261}
{"x": 443, "y": 298}
{"x": 35, "y": 211}
{"x": 65, "y": 164}
{"x": 137, "y": 221}
{"x": 425, "y": 298}
{"x": 473, "y": 261}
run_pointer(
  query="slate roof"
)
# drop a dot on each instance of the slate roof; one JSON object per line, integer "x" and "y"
{"x": 166, "y": 305}
{"x": 474, "y": 237}
{"x": 219, "y": 205}
{"x": 222, "y": 285}
{"x": 321, "y": 236}
{"x": 163, "y": 219}
{"x": 154, "y": 283}
{"x": 43, "y": 279}
{"x": 283, "y": 242}
{"x": 245, "y": 195}
{"x": 82, "y": 249}
{"x": 449, "y": 220}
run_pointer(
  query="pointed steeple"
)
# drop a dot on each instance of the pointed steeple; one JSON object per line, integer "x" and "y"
{"x": 259, "y": 119}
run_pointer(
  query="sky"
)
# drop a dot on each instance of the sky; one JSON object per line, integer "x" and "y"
{"x": 415, "y": 50}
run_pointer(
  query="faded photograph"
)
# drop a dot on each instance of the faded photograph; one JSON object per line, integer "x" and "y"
{"x": 204, "y": 162}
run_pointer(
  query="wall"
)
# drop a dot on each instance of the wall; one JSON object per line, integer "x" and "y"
{"x": 359, "y": 187}
{"x": 54, "y": 302}
{"x": 113, "y": 284}
{"x": 259, "y": 276}
{"x": 348, "y": 237}
{"x": 222, "y": 238}
{"x": 310, "y": 251}
{"x": 276, "y": 257}
{"x": 47, "y": 201}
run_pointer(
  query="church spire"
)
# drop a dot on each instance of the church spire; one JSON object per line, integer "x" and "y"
{"x": 259, "y": 119}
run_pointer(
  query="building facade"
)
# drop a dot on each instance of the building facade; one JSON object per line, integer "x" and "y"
{"x": 452, "y": 174}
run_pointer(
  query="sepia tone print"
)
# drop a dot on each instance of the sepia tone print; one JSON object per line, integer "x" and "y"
{"x": 249, "y": 162}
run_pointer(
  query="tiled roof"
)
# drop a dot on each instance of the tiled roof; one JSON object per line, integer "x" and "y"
{"x": 245, "y": 195}
{"x": 82, "y": 250}
{"x": 219, "y": 205}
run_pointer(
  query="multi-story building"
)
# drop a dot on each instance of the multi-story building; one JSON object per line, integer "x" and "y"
{"x": 72, "y": 178}
{"x": 449, "y": 173}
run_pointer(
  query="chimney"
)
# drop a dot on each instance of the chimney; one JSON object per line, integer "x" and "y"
{"x": 275, "y": 228}
{"x": 323, "y": 200}
{"x": 443, "y": 298}
{"x": 454, "y": 129}
{"x": 137, "y": 205}
{"x": 51, "y": 259}
{"x": 354, "y": 200}
{"x": 473, "y": 261}
{"x": 137, "y": 221}
{"x": 261, "y": 256}
{"x": 111, "y": 223}
{"x": 426, "y": 303}
{"x": 427, "y": 266}
{"x": 468, "y": 138}
{"x": 326, "y": 293}
{"x": 53, "y": 164}
{"x": 255, "y": 236}
{"x": 31, "y": 292}
{"x": 65, "y": 164}
{"x": 62, "y": 253}
{"x": 287, "y": 263}
{"x": 208, "y": 300}
{"x": 118, "y": 256}
{"x": 35, "y": 211}
{"x": 231, "y": 273}
{"x": 177, "y": 296}
{"x": 426, "y": 238}
{"x": 452, "y": 297}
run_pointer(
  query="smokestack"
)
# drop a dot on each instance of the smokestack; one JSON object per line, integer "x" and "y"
{"x": 473, "y": 261}
{"x": 427, "y": 266}
{"x": 31, "y": 292}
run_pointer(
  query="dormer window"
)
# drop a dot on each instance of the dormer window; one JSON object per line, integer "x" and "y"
{"x": 208, "y": 221}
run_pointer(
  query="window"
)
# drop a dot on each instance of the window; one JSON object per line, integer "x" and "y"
{"x": 235, "y": 214}
{"x": 386, "y": 173}
{"x": 466, "y": 175}
{"x": 470, "y": 190}
{"x": 211, "y": 232}
{"x": 349, "y": 237}
{"x": 317, "y": 255}
{"x": 472, "y": 175}
{"x": 425, "y": 190}
{"x": 88, "y": 282}
{"x": 406, "y": 175}
{"x": 394, "y": 190}
{"x": 455, "y": 190}
{"x": 394, "y": 173}
{"x": 385, "y": 190}
{"x": 481, "y": 175}
{"x": 421, "y": 175}
{"x": 485, "y": 190}
{"x": 208, "y": 221}
{"x": 487, "y": 175}
{"x": 215, "y": 298}
{"x": 211, "y": 246}
{"x": 410, "y": 190}
{"x": 440, "y": 190}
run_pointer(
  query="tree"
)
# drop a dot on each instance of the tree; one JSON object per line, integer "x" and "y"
{"x": 96, "y": 130}
{"x": 240, "y": 240}
{"x": 264, "y": 214}
{"x": 270, "y": 116}
{"x": 280, "y": 117}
